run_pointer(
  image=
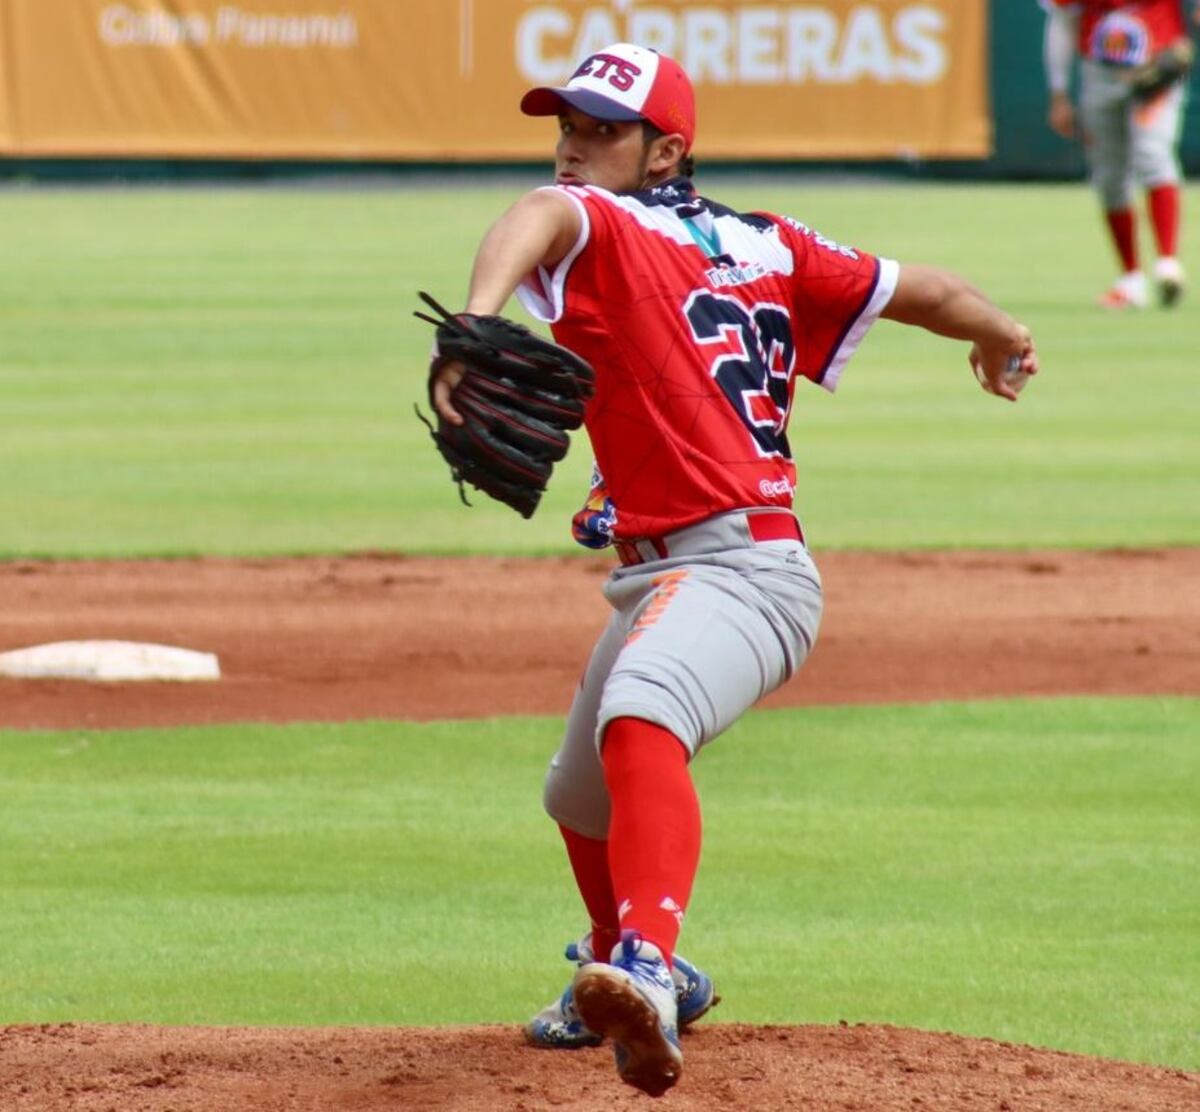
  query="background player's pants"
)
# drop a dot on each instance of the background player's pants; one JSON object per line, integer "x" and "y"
{"x": 693, "y": 642}
{"x": 1128, "y": 145}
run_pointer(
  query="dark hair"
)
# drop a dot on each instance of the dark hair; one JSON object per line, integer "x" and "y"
{"x": 687, "y": 164}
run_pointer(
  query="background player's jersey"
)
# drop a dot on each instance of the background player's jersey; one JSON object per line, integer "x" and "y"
{"x": 698, "y": 321}
{"x": 1126, "y": 32}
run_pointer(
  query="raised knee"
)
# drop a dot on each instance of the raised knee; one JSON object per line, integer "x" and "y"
{"x": 580, "y": 807}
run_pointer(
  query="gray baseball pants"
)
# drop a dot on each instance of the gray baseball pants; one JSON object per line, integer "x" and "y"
{"x": 694, "y": 640}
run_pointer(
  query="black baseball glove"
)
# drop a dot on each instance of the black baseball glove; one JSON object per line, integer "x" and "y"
{"x": 519, "y": 396}
{"x": 1167, "y": 67}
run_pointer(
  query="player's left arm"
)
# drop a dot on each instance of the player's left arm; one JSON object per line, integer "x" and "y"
{"x": 942, "y": 302}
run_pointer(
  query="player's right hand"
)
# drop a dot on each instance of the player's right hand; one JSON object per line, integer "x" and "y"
{"x": 441, "y": 385}
{"x": 1003, "y": 369}
{"x": 1062, "y": 115}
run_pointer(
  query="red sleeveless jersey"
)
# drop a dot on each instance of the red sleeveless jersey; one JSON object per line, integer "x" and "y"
{"x": 698, "y": 321}
{"x": 1127, "y": 32}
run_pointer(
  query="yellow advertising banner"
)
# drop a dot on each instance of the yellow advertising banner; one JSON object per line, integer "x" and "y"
{"x": 837, "y": 79}
{"x": 440, "y": 79}
{"x": 261, "y": 78}
{"x": 7, "y": 139}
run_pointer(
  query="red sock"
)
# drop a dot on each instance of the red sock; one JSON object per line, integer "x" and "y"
{"x": 1124, "y": 235}
{"x": 589, "y": 863}
{"x": 654, "y": 832}
{"x": 1164, "y": 217}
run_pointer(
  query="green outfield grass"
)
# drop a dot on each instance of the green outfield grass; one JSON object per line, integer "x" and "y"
{"x": 1024, "y": 870}
{"x": 233, "y": 371}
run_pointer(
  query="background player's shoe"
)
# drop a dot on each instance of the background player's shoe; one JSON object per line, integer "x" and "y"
{"x": 1127, "y": 292}
{"x": 632, "y": 1001}
{"x": 558, "y": 1026}
{"x": 1170, "y": 279}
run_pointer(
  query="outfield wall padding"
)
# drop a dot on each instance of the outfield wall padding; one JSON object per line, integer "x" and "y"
{"x": 441, "y": 79}
{"x": 939, "y": 86}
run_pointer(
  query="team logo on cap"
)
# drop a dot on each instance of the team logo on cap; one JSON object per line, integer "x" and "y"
{"x": 623, "y": 82}
{"x": 620, "y": 72}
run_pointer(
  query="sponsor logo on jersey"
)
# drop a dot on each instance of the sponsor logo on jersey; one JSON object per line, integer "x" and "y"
{"x": 1120, "y": 39}
{"x": 735, "y": 274}
{"x": 673, "y": 192}
{"x": 779, "y": 488}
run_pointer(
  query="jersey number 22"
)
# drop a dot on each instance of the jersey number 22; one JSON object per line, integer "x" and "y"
{"x": 754, "y": 364}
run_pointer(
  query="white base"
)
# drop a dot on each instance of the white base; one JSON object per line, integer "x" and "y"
{"x": 109, "y": 661}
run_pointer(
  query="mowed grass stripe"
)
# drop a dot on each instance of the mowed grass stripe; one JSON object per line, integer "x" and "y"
{"x": 1022, "y": 870}
{"x": 234, "y": 371}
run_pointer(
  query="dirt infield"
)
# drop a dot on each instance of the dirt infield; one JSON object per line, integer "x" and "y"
{"x": 385, "y": 636}
{"x": 484, "y": 1069}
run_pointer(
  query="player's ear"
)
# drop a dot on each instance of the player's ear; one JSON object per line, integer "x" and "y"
{"x": 666, "y": 152}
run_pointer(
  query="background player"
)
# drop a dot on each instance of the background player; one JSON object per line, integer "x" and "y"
{"x": 699, "y": 322}
{"x": 1126, "y": 140}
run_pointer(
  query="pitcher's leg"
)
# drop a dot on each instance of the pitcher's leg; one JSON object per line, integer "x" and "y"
{"x": 707, "y": 641}
{"x": 589, "y": 858}
{"x": 654, "y": 847}
{"x": 654, "y": 833}
{"x": 575, "y": 795}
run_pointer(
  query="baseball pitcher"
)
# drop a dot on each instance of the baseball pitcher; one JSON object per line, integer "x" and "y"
{"x": 698, "y": 325}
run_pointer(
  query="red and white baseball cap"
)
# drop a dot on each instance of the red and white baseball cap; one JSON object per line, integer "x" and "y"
{"x": 624, "y": 82}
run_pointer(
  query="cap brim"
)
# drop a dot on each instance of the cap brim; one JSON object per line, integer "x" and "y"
{"x": 545, "y": 101}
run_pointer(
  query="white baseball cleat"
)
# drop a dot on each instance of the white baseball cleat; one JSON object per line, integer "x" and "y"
{"x": 1127, "y": 292}
{"x": 1170, "y": 279}
{"x": 632, "y": 1002}
{"x": 558, "y": 1026}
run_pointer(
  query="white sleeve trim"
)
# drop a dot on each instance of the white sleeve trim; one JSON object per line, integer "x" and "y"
{"x": 885, "y": 287}
{"x": 542, "y": 292}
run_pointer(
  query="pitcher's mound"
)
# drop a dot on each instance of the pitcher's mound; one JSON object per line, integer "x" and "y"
{"x": 482, "y": 1069}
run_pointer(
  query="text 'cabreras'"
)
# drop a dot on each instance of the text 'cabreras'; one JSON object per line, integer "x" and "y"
{"x": 763, "y": 44}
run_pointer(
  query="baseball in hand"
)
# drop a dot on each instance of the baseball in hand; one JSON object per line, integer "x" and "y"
{"x": 1014, "y": 377}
